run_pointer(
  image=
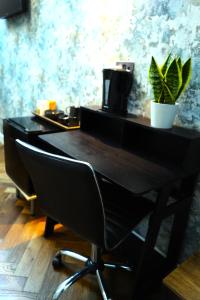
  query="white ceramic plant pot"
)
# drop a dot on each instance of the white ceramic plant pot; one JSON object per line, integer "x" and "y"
{"x": 163, "y": 115}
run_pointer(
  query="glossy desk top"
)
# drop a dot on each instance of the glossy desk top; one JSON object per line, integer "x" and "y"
{"x": 129, "y": 170}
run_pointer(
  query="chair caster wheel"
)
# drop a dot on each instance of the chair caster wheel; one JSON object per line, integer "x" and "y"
{"x": 57, "y": 261}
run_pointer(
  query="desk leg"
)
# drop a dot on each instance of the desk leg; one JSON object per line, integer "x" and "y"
{"x": 184, "y": 198}
{"x": 143, "y": 269}
{"x": 49, "y": 226}
{"x": 180, "y": 221}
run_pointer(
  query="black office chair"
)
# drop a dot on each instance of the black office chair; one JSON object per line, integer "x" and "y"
{"x": 68, "y": 192}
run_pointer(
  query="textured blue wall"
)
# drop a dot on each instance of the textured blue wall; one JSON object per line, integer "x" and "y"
{"x": 58, "y": 51}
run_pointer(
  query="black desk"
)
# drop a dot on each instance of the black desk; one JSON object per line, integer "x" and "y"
{"x": 129, "y": 153}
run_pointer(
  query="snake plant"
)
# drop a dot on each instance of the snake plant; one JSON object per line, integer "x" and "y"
{"x": 170, "y": 80}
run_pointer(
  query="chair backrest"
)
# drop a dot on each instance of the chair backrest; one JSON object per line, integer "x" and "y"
{"x": 13, "y": 164}
{"x": 67, "y": 191}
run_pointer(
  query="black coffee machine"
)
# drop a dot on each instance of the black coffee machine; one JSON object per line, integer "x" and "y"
{"x": 116, "y": 88}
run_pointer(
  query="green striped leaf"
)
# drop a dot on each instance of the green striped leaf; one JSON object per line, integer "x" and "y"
{"x": 156, "y": 79}
{"x": 179, "y": 63}
{"x": 167, "y": 95}
{"x": 173, "y": 78}
{"x": 166, "y": 64}
{"x": 186, "y": 76}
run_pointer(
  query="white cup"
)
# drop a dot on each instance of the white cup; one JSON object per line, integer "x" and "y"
{"x": 42, "y": 105}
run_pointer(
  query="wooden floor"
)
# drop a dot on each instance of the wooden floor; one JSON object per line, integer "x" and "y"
{"x": 25, "y": 255}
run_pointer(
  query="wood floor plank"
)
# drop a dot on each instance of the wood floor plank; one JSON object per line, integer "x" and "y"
{"x": 38, "y": 271}
{"x": 7, "y": 268}
{"x": 10, "y": 190}
{"x": 14, "y": 235}
{"x": 13, "y": 295}
{"x": 20, "y": 235}
{"x": 15, "y": 283}
{"x": 32, "y": 250}
{"x": 8, "y": 213}
{"x": 4, "y": 254}
{"x": 51, "y": 281}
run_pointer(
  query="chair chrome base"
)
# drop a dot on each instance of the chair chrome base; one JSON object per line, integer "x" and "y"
{"x": 93, "y": 265}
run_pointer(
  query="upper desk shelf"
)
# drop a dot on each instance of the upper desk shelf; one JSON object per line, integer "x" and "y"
{"x": 176, "y": 147}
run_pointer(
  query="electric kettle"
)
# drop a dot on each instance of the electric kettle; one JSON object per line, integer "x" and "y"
{"x": 116, "y": 88}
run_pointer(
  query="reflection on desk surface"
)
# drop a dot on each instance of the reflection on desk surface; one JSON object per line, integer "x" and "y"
{"x": 131, "y": 171}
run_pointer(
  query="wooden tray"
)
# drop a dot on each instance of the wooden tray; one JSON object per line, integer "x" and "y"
{"x": 55, "y": 123}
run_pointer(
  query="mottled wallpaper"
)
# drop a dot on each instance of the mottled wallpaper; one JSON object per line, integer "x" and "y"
{"x": 57, "y": 50}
